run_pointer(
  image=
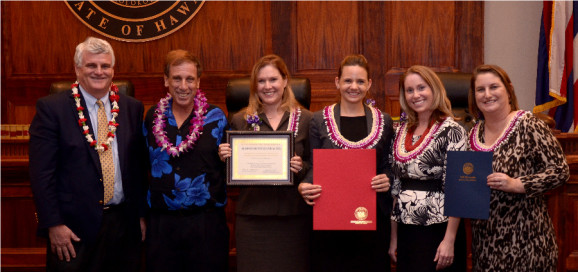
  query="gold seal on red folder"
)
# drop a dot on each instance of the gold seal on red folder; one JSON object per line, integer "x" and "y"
{"x": 361, "y": 214}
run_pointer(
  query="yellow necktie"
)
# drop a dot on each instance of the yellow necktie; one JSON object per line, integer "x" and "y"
{"x": 106, "y": 162}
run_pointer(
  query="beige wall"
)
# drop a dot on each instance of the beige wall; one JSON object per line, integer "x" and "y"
{"x": 511, "y": 33}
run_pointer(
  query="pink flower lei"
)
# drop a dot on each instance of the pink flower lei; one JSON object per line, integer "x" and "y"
{"x": 479, "y": 146}
{"x": 294, "y": 121}
{"x": 112, "y": 124}
{"x": 368, "y": 142}
{"x": 195, "y": 130}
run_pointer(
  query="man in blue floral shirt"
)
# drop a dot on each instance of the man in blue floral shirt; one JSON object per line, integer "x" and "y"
{"x": 187, "y": 228}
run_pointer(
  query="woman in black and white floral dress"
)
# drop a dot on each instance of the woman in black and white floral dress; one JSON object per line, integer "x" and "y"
{"x": 422, "y": 238}
{"x": 528, "y": 162}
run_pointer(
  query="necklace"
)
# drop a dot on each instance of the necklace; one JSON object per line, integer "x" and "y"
{"x": 479, "y": 146}
{"x": 409, "y": 145}
{"x": 366, "y": 143}
{"x": 294, "y": 121}
{"x": 195, "y": 129}
{"x": 401, "y": 151}
{"x": 254, "y": 121}
{"x": 102, "y": 145}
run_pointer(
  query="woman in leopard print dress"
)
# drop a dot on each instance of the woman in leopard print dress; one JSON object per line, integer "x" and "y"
{"x": 527, "y": 162}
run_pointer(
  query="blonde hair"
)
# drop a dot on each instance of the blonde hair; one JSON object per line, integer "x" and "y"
{"x": 441, "y": 105}
{"x": 288, "y": 101}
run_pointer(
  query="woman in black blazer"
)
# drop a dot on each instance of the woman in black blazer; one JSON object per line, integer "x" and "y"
{"x": 350, "y": 124}
{"x": 273, "y": 224}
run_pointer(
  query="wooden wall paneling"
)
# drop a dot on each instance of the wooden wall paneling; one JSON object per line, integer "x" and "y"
{"x": 19, "y": 96}
{"x": 469, "y": 38}
{"x": 568, "y": 220}
{"x": 22, "y": 250}
{"x": 422, "y": 33}
{"x": 326, "y": 32}
{"x": 18, "y": 215}
{"x": 563, "y": 207}
{"x": 391, "y": 91}
{"x": 233, "y": 34}
{"x": 283, "y": 32}
{"x": 554, "y": 201}
{"x": 374, "y": 44}
{"x": 34, "y": 51}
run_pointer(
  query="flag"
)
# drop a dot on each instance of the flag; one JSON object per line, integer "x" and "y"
{"x": 557, "y": 63}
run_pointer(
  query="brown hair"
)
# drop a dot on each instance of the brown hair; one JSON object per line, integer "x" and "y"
{"x": 288, "y": 101}
{"x": 441, "y": 105}
{"x": 503, "y": 76}
{"x": 178, "y": 57}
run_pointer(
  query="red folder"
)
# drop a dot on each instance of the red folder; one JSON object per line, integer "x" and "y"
{"x": 347, "y": 201}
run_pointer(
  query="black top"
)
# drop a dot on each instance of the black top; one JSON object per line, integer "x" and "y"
{"x": 353, "y": 128}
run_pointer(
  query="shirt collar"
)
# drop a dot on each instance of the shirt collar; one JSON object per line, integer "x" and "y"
{"x": 91, "y": 100}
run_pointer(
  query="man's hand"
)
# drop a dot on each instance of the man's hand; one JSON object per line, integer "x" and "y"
{"x": 60, "y": 242}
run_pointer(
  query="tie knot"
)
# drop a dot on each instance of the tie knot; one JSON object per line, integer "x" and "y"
{"x": 100, "y": 104}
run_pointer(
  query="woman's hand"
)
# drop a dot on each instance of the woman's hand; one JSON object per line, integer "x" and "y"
{"x": 445, "y": 254}
{"x": 380, "y": 183}
{"x": 309, "y": 192}
{"x": 296, "y": 164}
{"x": 393, "y": 242}
{"x": 503, "y": 182}
{"x": 224, "y": 151}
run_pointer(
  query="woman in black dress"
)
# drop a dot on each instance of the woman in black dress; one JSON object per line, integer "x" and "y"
{"x": 350, "y": 124}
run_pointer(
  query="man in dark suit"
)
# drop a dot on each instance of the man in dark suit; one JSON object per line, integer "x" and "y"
{"x": 86, "y": 169}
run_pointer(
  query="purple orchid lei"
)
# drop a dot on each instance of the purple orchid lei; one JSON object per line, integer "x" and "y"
{"x": 254, "y": 121}
{"x": 370, "y": 102}
{"x": 195, "y": 130}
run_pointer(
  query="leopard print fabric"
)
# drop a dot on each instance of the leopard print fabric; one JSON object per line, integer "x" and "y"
{"x": 519, "y": 235}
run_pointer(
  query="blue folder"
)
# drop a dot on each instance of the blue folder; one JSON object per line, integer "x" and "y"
{"x": 467, "y": 194}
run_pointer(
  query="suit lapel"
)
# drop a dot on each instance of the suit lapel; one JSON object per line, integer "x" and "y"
{"x": 121, "y": 130}
{"x": 92, "y": 153}
{"x": 337, "y": 115}
{"x": 368, "y": 119}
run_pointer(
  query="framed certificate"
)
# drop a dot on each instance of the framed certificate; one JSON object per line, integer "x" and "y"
{"x": 260, "y": 158}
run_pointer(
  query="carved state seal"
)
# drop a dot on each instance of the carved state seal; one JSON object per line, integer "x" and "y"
{"x": 135, "y": 21}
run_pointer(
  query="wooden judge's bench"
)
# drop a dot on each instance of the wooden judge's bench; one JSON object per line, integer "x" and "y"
{"x": 22, "y": 250}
